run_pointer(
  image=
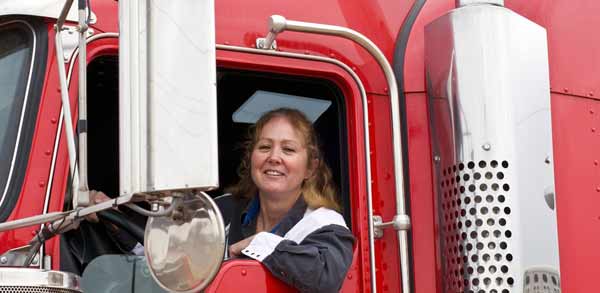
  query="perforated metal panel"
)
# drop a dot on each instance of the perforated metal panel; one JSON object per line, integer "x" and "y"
{"x": 477, "y": 227}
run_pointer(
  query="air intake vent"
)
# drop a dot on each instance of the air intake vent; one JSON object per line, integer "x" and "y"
{"x": 476, "y": 221}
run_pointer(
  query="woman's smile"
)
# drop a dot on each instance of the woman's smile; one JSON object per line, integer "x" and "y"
{"x": 274, "y": 173}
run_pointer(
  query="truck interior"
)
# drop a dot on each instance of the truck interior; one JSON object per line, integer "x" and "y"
{"x": 234, "y": 88}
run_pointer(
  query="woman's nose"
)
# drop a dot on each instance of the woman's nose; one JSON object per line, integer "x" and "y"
{"x": 274, "y": 157}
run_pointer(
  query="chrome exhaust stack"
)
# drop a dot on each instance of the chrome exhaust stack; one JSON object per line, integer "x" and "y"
{"x": 489, "y": 93}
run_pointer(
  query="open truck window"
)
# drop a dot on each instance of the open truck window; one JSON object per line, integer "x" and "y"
{"x": 241, "y": 94}
{"x": 21, "y": 49}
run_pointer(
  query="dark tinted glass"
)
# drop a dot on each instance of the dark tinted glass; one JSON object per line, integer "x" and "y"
{"x": 16, "y": 47}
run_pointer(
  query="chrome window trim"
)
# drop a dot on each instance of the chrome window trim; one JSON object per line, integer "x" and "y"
{"x": 25, "y": 100}
{"x": 58, "y": 135}
{"x": 366, "y": 141}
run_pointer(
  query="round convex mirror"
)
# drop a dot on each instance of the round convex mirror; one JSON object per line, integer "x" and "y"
{"x": 185, "y": 250}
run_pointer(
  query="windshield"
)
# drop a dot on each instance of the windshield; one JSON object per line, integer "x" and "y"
{"x": 16, "y": 47}
{"x": 119, "y": 274}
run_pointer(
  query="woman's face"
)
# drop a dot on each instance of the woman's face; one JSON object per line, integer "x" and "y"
{"x": 279, "y": 160}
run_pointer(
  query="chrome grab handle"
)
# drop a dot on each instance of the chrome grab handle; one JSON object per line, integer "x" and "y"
{"x": 278, "y": 24}
{"x": 399, "y": 222}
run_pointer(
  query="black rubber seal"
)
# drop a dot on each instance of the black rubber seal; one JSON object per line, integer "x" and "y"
{"x": 398, "y": 66}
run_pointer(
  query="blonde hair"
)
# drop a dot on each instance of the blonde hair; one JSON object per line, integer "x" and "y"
{"x": 318, "y": 190}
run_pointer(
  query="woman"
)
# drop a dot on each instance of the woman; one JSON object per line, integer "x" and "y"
{"x": 286, "y": 216}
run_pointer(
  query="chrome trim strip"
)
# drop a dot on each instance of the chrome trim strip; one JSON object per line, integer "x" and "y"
{"x": 59, "y": 130}
{"x": 278, "y": 24}
{"x": 33, "y": 52}
{"x": 66, "y": 105}
{"x": 83, "y": 198}
{"x": 17, "y": 277}
{"x": 365, "y": 109}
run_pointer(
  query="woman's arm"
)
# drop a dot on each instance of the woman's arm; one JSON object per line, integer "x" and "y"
{"x": 313, "y": 257}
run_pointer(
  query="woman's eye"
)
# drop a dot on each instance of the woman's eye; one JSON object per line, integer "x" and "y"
{"x": 289, "y": 150}
{"x": 264, "y": 147}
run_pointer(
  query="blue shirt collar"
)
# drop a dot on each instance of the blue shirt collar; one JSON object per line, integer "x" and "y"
{"x": 252, "y": 213}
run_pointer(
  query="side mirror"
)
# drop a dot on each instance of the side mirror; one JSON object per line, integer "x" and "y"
{"x": 168, "y": 134}
{"x": 184, "y": 251}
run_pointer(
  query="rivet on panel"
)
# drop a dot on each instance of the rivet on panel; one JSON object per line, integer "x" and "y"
{"x": 244, "y": 272}
{"x": 598, "y": 189}
{"x": 591, "y": 94}
{"x": 349, "y": 277}
{"x": 437, "y": 159}
{"x": 566, "y": 90}
{"x": 33, "y": 232}
{"x": 486, "y": 147}
{"x": 226, "y": 43}
{"x": 53, "y": 120}
{"x": 47, "y": 152}
{"x": 353, "y": 68}
{"x": 3, "y": 259}
{"x": 595, "y": 162}
{"x": 58, "y": 90}
{"x": 593, "y": 129}
{"x": 591, "y": 111}
{"x": 547, "y": 160}
{"x": 331, "y": 55}
{"x": 385, "y": 90}
{"x": 41, "y": 184}
{"x": 306, "y": 53}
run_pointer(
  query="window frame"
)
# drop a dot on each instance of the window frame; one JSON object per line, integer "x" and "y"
{"x": 36, "y": 30}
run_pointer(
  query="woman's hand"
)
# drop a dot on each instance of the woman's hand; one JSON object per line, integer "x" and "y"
{"x": 97, "y": 197}
{"x": 235, "y": 250}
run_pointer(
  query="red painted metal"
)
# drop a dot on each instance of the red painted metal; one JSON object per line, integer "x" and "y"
{"x": 574, "y": 67}
{"x": 573, "y": 42}
{"x": 239, "y": 23}
{"x": 31, "y": 199}
{"x": 575, "y": 126}
{"x": 250, "y": 275}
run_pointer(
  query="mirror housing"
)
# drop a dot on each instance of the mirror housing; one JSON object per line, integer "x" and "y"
{"x": 167, "y": 96}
